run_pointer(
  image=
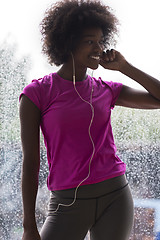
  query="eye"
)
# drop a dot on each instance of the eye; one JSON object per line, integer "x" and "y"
{"x": 90, "y": 42}
{"x": 101, "y": 43}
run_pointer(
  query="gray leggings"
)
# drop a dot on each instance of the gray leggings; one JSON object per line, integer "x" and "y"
{"x": 104, "y": 209}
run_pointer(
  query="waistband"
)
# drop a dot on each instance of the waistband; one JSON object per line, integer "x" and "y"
{"x": 93, "y": 190}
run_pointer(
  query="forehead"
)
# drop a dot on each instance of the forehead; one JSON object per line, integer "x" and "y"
{"x": 92, "y": 32}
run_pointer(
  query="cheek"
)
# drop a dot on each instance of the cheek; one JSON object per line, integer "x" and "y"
{"x": 82, "y": 57}
{"x": 83, "y": 50}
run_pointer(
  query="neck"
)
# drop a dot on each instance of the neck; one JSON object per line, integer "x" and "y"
{"x": 66, "y": 72}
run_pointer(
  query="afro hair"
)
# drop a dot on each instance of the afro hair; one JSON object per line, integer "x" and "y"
{"x": 64, "y": 22}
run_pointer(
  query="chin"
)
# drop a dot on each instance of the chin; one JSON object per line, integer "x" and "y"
{"x": 93, "y": 67}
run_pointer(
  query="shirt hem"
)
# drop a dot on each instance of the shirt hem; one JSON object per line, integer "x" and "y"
{"x": 87, "y": 182}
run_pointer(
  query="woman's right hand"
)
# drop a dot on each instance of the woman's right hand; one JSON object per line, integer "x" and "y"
{"x": 31, "y": 235}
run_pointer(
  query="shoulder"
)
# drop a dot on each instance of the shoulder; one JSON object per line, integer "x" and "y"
{"x": 42, "y": 83}
{"x": 39, "y": 90}
{"x": 110, "y": 89}
{"x": 38, "y": 84}
{"x": 110, "y": 85}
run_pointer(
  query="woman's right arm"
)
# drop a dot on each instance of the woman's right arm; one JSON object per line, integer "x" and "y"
{"x": 30, "y": 129}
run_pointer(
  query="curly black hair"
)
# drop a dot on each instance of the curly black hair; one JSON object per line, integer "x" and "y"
{"x": 64, "y": 22}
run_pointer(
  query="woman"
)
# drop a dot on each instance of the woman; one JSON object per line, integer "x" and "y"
{"x": 87, "y": 181}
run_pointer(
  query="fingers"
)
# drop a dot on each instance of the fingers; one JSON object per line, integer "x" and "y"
{"x": 109, "y": 55}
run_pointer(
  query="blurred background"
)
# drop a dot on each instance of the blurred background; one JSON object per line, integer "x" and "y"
{"x": 136, "y": 132}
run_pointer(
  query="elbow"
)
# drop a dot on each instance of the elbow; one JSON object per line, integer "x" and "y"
{"x": 31, "y": 164}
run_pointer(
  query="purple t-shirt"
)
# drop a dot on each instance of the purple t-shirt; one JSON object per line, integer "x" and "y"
{"x": 65, "y": 119}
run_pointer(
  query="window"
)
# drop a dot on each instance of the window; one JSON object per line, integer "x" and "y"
{"x": 137, "y": 132}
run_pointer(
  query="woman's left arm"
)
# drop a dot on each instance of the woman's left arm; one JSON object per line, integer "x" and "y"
{"x": 130, "y": 97}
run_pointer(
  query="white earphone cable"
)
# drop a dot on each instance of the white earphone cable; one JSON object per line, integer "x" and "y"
{"x": 89, "y": 132}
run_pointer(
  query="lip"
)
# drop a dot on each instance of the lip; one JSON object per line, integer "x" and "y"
{"x": 95, "y": 57}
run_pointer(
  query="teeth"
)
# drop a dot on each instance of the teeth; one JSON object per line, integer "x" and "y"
{"x": 95, "y": 57}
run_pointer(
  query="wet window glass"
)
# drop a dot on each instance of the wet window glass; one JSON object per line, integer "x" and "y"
{"x": 136, "y": 132}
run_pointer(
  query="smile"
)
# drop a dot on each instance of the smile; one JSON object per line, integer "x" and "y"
{"x": 95, "y": 57}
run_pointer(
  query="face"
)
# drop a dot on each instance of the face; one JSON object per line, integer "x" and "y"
{"x": 89, "y": 49}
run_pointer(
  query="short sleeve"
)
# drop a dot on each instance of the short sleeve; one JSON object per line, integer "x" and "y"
{"x": 33, "y": 92}
{"x": 115, "y": 89}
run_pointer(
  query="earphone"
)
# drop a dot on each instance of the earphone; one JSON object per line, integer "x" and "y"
{"x": 89, "y": 133}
